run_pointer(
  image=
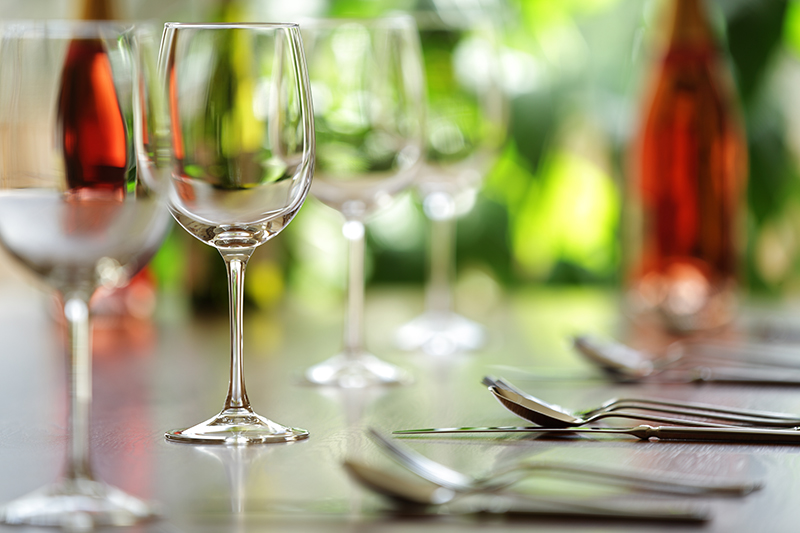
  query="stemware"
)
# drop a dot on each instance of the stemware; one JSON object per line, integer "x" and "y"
{"x": 466, "y": 122}
{"x": 367, "y": 83}
{"x": 78, "y": 209}
{"x": 242, "y": 155}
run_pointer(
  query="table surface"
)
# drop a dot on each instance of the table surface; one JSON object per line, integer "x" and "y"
{"x": 153, "y": 376}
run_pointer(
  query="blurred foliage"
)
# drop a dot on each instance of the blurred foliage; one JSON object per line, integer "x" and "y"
{"x": 549, "y": 211}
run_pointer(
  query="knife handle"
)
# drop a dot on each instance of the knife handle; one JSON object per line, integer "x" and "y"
{"x": 733, "y": 434}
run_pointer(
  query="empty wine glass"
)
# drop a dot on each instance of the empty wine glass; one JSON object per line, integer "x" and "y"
{"x": 242, "y": 154}
{"x": 466, "y": 122}
{"x": 78, "y": 209}
{"x": 368, "y": 101}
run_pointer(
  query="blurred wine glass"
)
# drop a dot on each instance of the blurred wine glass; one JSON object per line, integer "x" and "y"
{"x": 242, "y": 155}
{"x": 465, "y": 130}
{"x": 367, "y": 83}
{"x": 79, "y": 207}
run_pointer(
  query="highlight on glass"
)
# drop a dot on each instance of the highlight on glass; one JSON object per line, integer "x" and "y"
{"x": 242, "y": 158}
{"x": 79, "y": 210}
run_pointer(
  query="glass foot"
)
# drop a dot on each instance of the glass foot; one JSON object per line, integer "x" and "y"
{"x": 76, "y": 505}
{"x": 355, "y": 372}
{"x": 437, "y": 333}
{"x": 237, "y": 426}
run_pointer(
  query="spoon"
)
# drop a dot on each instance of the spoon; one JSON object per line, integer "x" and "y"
{"x": 410, "y": 493}
{"x": 616, "y": 358}
{"x": 554, "y": 416}
{"x": 691, "y": 409}
{"x": 502, "y": 479}
{"x": 627, "y": 364}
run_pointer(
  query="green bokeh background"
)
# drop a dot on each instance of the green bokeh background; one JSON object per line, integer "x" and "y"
{"x": 549, "y": 211}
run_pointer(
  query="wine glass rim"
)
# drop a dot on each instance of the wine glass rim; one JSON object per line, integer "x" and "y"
{"x": 395, "y": 20}
{"x": 230, "y": 25}
{"x": 67, "y": 28}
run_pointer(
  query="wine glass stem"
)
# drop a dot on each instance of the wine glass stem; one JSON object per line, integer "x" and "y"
{"x": 353, "y": 231}
{"x": 76, "y": 311}
{"x": 236, "y": 263}
{"x": 438, "y": 292}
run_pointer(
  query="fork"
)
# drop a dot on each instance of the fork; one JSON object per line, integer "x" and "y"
{"x": 744, "y": 416}
{"x": 505, "y": 478}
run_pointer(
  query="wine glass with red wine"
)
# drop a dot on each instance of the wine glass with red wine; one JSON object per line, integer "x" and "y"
{"x": 79, "y": 207}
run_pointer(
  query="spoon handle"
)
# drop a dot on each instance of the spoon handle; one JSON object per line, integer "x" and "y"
{"x": 717, "y": 434}
{"x": 752, "y": 376}
{"x": 647, "y": 480}
{"x": 523, "y": 507}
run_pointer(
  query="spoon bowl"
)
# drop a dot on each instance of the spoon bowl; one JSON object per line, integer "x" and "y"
{"x": 399, "y": 489}
{"x": 617, "y": 359}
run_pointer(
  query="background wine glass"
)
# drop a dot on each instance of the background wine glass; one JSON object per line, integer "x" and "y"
{"x": 242, "y": 150}
{"x": 367, "y": 83}
{"x": 465, "y": 130}
{"x": 78, "y": 209}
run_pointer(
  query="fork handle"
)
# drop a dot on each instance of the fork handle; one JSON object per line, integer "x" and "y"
{"x": 698, "y": 413}
{"x": 697, "y": 406}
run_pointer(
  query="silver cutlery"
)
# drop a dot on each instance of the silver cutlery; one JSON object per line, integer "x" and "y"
{"x": 767, "y": 418}
{"x": 456, "y": 481}
{"x": 425, "y": 495}
{"x": 697, "y": 410}
{"x": 549, "y": 415}
{"x": 626, "y": 364}
{"x": 750, "y": 435}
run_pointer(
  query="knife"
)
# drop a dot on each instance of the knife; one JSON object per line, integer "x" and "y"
{"x": 717, "y": 434}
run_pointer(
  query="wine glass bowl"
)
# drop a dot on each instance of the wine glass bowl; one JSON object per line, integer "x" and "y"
{"x": 242, "y": 159}
{"x": 78, "y": 210}
{"x": 367, "y": 83}
{"x": 465, "y": 130}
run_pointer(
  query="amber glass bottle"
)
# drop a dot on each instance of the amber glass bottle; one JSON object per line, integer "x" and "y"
{"x": 687, "y": 179}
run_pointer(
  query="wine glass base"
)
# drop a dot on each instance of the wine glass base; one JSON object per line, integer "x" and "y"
{"x": 438, "y": 333}
{"x": 237, "y": 426}
{"x": 76, "y": 505}
{"x": 355, "y": 372}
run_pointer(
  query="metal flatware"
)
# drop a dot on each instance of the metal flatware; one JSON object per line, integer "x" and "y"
{"x": 711, "y": 434}
{"x": 697, "y": 410}
{"x": 421, "y": 494}
{"x": 500, "y": 480}
{"x": 626, "y": 364}
{"x": 549, "y": 415}
{"x": 700, "y": 409}
{"x": 407, "y": 492}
